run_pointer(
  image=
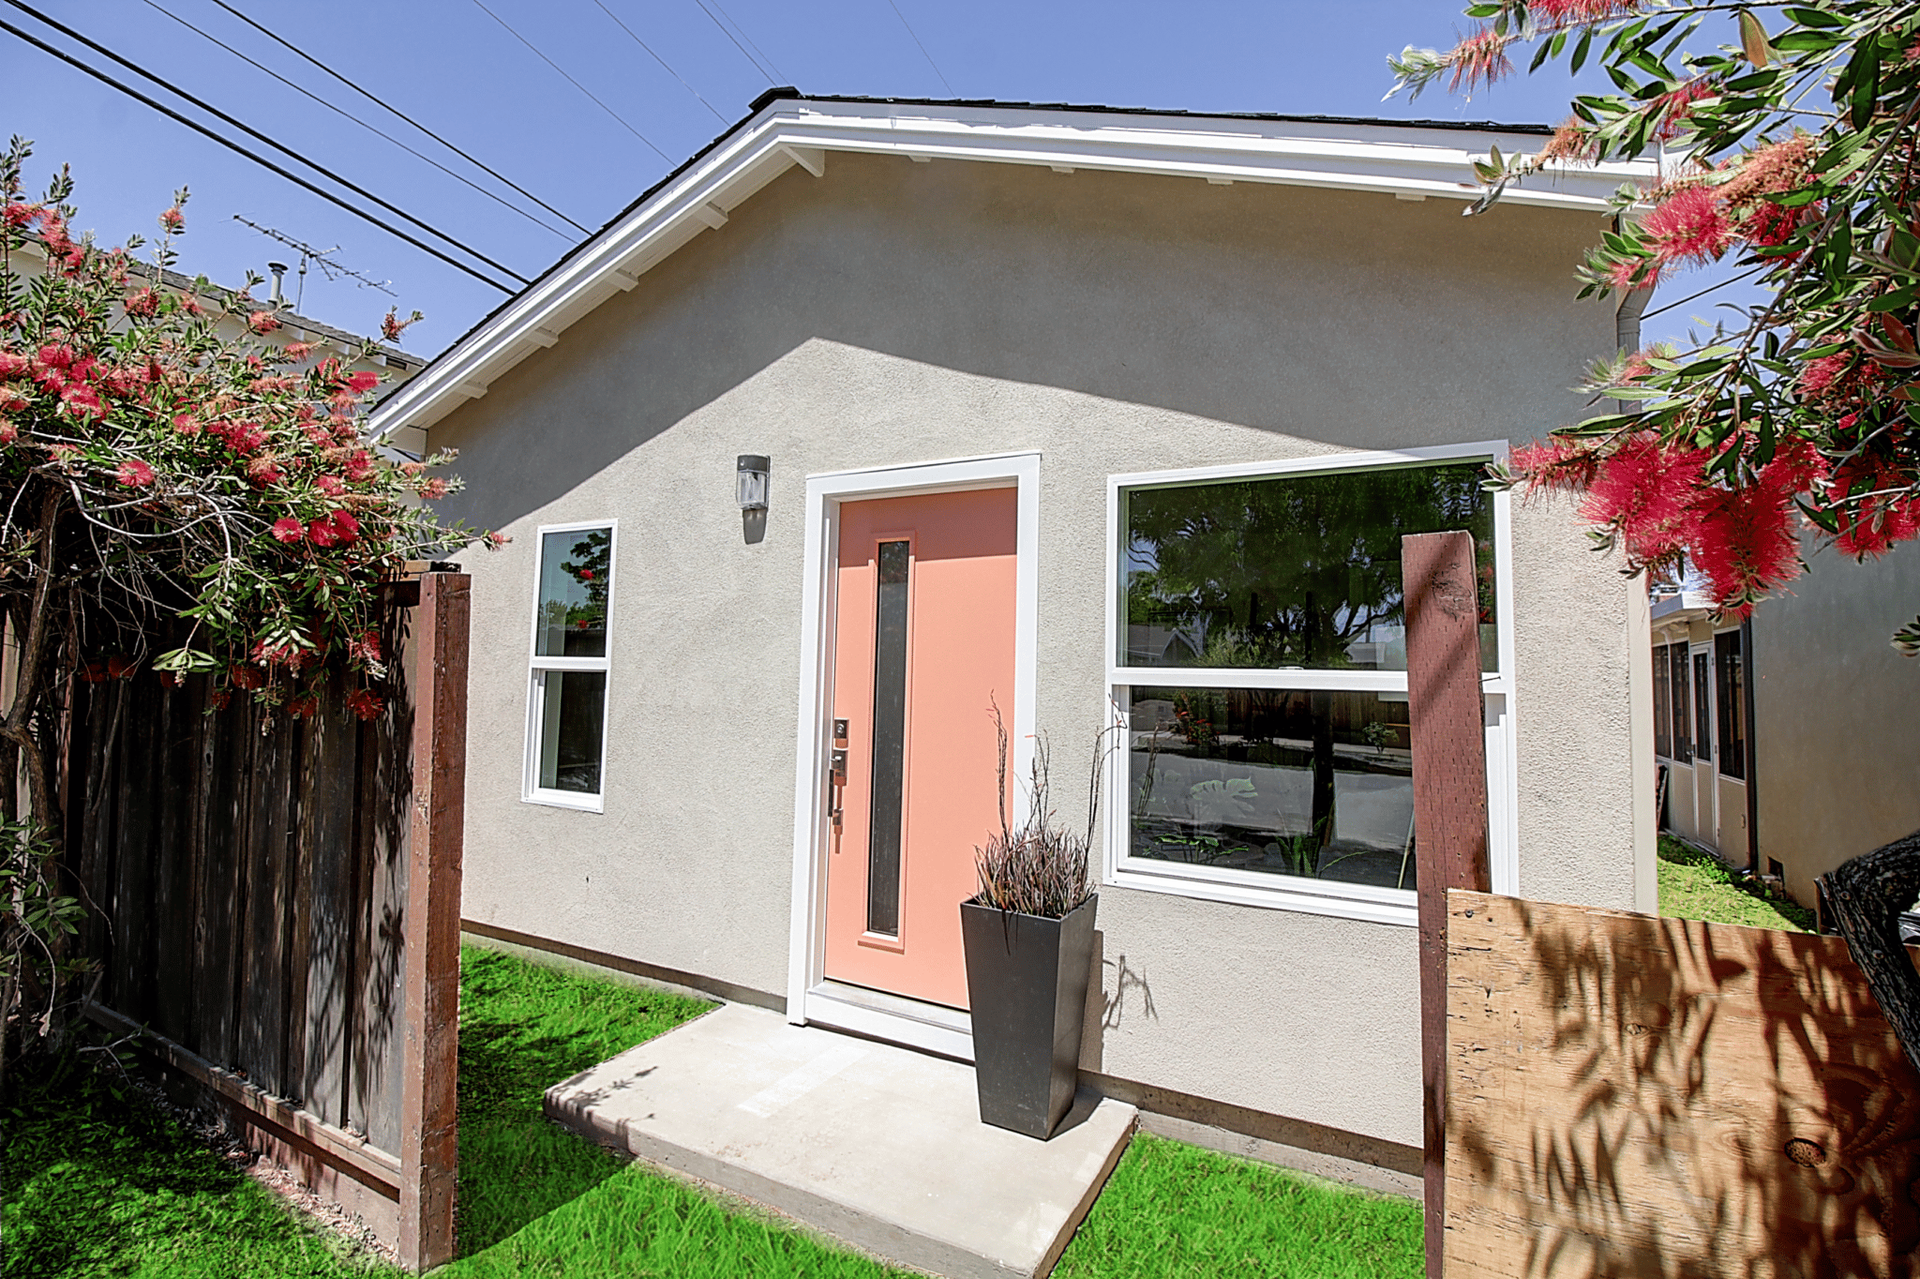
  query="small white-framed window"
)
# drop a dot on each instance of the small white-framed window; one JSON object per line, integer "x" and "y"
{"x": 570, "y": 663}
{"x": 1257, "y": 659}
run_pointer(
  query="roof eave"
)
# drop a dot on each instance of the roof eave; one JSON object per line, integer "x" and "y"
{"x": 788, "y": 130}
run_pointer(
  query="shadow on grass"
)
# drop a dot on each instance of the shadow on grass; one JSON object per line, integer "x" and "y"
{"x": 523, "y": 1029}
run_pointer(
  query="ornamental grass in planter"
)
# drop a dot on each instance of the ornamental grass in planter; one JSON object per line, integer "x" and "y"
{"x": 1029, "y": 946}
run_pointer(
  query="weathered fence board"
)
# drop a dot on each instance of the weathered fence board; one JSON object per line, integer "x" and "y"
{"x": 259, "y": 915}
{"x": 1633, "y": 1096}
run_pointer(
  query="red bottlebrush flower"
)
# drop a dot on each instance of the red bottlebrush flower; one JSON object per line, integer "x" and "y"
{"x": 134, "y": 473}
{"x": 434, "y": 489}
{"x": 19, "y": 213}
{"x": 190, "y": 304}
{"x": 1642, "y": 490}
{"x": 359, "y": 466}
{"x": 299, "y": 350}
{"x": 1480, "y": 59}
{"x": 365, "y": 703}
{"x": 248, "y": 677}
{"x": 1627, "y": 274}
{"x": 586, "y": 575}
{"x": 262, "y": 322}
{"x": 83, "y": 400}
{"x": 11, "y": 399}
{"x": 243, "y": 437}
{"x": 496, "y": 539}
{"x": 363, "y": 381}
{"x": 346, "y": 527}
{"x": 56, "y": 355}
{"x": 219, "y": 697}
{"x": 1556, "y": 464}
{"x": 1836, "y": 378}
{"x": 262, "y": 471}
{"x": 143, "y": 303}
{"x": 1744, "y": 542}
{"x": 1797, "y": 467}
{"x": 1689, "y": 226}
{"x": 366, "y": 648}
{"x": 1769, "y": 170}
{"x": 411, "y": 469}
{"x": 64, "y": 452}
{"x": 1772, "y": 225}
{"x": 13, "y": 364}
{"x": 1674, "y": 107}
{"x": 186, "y": 424}
{"x": 1573, "y": 143}
{"x": 321, "y": 532}
{"x": 1578, "y": 13}
{"x": 305, "y": 706}
{"x": 288, "y": 530}
{"x": 84, "y": 368}
{"x": 331, "y": 485}
{"x": 172, "y": 219}
{"x": 8, "y": 431}
{"x": 393, "y": 326}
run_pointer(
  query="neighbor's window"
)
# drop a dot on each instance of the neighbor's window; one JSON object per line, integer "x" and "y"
{"x": 1730, "y": 704}
{"x": 568, "y": 713}
{"x": 1662, "y": 704}
{"x": 1676, "y": 655}
{"x": 1260, "y": 664}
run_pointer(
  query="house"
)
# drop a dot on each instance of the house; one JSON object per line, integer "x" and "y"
{"x": 1786, "y": 743}
{"x": 877, "y": 415}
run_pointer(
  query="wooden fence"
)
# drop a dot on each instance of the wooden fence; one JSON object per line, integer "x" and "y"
{"x": 1632, "y": 1096}
{"x": 281, "y": 909}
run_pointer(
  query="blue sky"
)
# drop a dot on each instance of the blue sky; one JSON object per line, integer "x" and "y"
{"x": 457, "y": 70}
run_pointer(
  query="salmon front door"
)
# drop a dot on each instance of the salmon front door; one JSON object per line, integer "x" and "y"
{"x": 923, "y": 645}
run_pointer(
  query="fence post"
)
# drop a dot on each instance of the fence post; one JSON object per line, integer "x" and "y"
{"x": 1449, "y": 804}
{"x": 428, "y": 1132}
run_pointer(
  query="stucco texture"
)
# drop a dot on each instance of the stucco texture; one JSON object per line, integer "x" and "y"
{"x": 1836, "y": 716}
{"x": 892, "y": 312}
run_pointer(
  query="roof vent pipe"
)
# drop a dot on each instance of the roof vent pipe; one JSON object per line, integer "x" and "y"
{"x": 279, "y": 270}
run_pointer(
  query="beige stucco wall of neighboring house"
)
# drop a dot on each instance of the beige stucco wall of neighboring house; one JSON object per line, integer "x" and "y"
{"x": 1837, "y": 715}
{"x": 892, "y": 312}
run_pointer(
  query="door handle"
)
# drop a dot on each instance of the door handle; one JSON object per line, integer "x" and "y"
{"x": 837, "y": 777}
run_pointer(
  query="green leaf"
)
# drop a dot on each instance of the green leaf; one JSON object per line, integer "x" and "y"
{"x": 1580, "y": 50}
{"x": 1812, "y": 18}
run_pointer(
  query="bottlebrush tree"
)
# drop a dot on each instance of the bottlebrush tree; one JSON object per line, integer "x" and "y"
{"x": 157, "y": 478}
{"x": 1797, "y": 146}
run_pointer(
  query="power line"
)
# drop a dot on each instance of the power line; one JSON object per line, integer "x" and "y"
{"x": 395, "y": 111}
{"x": 260, "y": 160}
{"x": 916, "y": 40}
{"x": 749, "y": 39}
{"x": 768, "y": 70}
{"x": 350, "y": 116}
{"x": 509, "y": 272}
{"x": 575, "y": 83}
{"x": 656, "y": 57}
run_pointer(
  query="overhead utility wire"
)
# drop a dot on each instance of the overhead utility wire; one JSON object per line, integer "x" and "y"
{"x": 916, "y": 40}
{"x": 262, "y": 161}
{"x": 656, "y": 57}
{"x": 212, "y": 110}
{"x": 575, "y": 83}
{"x": 356, "y": 119}
{"x": 395, "y": 111}
{"x": 768, "y": 69}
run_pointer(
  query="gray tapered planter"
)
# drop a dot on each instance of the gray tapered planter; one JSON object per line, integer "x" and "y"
{"x": 1027, "y": 984}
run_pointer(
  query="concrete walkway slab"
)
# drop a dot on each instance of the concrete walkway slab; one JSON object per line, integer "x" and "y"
{"x": 878, "y": 1146}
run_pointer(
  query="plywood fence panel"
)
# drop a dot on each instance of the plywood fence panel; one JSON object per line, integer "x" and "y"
{"x": 1632, "y": 1096}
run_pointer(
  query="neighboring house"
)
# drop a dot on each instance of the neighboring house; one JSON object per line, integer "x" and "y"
{"x": 1081, "y": 413}
{"x": 1788, "y": 744}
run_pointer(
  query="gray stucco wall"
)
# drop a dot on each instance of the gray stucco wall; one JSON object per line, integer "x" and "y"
{"x": 893, "y": 312}
{"x": 1836, "y": 715}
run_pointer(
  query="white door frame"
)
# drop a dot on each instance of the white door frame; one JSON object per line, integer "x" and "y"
{"x": 808, "y": 997}
{"x": 1706, "y": 812}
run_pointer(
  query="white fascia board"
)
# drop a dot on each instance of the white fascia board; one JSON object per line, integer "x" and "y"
{"x": 1388, "y": 158}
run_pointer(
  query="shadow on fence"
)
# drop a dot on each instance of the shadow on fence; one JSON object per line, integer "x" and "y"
{"x": 1633, "y": 1096}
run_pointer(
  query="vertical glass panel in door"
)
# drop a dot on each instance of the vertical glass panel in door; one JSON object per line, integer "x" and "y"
{"x": 1290, "y": 570}
{"x": 1702, "y": 707}
{"x": 1316, "y": 784}
{"x": 889, "y": 739}
{"x": 574, "y": 572}
{"x": 572, "y": 710}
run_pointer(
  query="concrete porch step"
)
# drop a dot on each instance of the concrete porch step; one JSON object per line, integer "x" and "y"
{"x": 878, "y": 1146}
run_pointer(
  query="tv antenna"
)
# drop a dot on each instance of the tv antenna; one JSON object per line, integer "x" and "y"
{"x": 321, "y": 258}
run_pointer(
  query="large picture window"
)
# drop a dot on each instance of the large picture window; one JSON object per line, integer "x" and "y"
{"x": 1259, "y": 663}
{"x": 567, "y": 708}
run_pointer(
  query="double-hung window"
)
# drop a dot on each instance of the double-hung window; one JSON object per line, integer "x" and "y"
{"x": 567, "y": 706}
{"x": 1257, "y": 657}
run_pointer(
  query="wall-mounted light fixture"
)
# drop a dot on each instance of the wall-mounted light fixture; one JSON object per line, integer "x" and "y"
{"x": 751, "y": 482}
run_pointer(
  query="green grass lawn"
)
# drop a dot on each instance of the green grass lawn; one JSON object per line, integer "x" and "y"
{"x": 97, "y": 1182}
{"x": 1697, "y": 885}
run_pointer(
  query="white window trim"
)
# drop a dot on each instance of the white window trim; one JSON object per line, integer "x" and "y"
{"x": 1286, "y": 892}
{"x": 530, "y": 791}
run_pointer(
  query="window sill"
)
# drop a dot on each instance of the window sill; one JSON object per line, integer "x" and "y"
{"x": 566, "y": 799}
{"x": 1391, "y": 907}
